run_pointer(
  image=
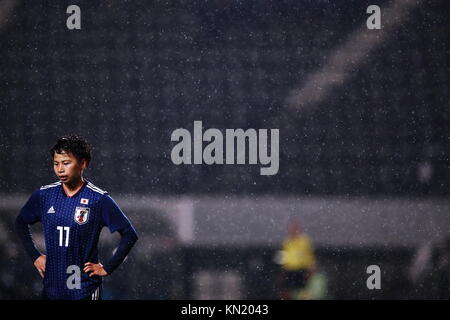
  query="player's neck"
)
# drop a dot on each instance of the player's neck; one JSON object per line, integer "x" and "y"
{"x": 74, "y": 187}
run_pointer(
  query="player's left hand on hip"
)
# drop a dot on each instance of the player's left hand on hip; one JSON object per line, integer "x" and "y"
{"x": 94, "y": 269}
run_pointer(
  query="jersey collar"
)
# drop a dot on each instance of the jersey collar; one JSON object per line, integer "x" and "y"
{"x": 76, "y": 193}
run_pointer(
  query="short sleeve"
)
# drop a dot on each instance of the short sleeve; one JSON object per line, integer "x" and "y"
{"x": 31, "y": 211}
{"x": 112, "y": 215}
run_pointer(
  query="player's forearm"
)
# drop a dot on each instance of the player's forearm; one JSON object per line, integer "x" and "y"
{"x": 129, "y": 238}
{"x": 23, "y": 231}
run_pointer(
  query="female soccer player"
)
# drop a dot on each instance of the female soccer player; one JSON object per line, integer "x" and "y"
{"x": 73, "y": 212}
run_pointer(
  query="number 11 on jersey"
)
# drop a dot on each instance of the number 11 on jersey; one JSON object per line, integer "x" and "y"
{"x": 61, "y": 236}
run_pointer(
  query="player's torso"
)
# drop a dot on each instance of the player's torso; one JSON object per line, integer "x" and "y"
{"x": 72, "y": 227}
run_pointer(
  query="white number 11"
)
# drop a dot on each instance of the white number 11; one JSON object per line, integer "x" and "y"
{"x": 61, "y": 236}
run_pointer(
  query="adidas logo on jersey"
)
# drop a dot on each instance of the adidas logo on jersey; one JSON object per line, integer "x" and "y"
{"x": 51, "y": 210}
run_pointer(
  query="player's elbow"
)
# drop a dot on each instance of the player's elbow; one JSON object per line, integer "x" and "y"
{"x": 131, "y": 236}
{"x": 134, "y": 236}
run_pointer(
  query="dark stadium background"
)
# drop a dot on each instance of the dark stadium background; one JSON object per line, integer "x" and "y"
{"x": 364, "y": 164}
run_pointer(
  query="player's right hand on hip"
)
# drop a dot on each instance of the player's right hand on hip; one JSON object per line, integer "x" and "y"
{"x": 39, "y": 263}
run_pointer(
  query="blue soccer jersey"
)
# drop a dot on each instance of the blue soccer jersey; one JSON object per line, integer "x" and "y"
{"x": 72, "y": 227}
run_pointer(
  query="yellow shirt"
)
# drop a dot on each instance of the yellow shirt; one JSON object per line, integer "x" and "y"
{"x": 297, "y": 253}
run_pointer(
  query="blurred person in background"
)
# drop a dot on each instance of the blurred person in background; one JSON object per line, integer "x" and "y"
{"x": 443, "y": 268}
{"x": 298, "y": 262}
{"x": 315, "y": 288}
{"x": 429, "y": 271}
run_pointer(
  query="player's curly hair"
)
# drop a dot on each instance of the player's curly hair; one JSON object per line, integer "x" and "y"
{"x": 73, "y": 144}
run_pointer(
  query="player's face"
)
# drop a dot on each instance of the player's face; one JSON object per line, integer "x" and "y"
{"x": 68, "y": 168}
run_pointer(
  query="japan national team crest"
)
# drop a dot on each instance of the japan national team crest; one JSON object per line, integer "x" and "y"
{"x": 81, "y": 215}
